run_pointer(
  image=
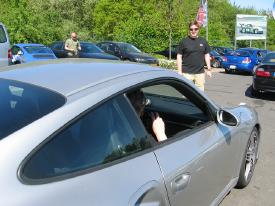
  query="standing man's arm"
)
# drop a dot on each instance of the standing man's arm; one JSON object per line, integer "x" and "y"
{"x": 179, "y": 63}
{"x": 79, "y": 47}
{"x": 207, "y": 61}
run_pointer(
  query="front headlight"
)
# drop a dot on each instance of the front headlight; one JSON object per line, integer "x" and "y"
{"x": 139, "y": 60}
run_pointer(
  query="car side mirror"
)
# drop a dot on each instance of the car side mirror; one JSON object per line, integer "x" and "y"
{"x": 226, "y": 118}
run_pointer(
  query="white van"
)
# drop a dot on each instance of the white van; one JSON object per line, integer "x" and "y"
{"x": 4, "y": 45}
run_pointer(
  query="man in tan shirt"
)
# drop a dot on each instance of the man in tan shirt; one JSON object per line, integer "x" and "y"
{"x": 72, "y": 45}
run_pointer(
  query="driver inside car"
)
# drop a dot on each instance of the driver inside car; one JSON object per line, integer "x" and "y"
{"x": 139, "y": 101}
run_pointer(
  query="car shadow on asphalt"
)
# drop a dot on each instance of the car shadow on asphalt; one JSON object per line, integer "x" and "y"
{"x": 237, "y": 73}
{"x": 269, "y": 96}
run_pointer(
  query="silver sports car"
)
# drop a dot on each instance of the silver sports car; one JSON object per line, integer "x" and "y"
{"x": 71, "y": 134}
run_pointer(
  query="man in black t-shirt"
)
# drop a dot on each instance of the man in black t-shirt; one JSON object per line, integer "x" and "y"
{"x": 192, "y": 53}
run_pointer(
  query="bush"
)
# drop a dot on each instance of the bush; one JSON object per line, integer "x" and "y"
{"x": 168, "y": 64}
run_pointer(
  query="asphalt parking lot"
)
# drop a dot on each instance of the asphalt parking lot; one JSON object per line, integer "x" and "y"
{"x": 231, "y": 90}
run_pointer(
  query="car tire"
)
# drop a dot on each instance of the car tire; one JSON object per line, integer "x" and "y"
{"x": 227, "y": 71}
{"x": 254, "y": 92}
{"x": 249, "y": 160}
{"x": 216, "y": 63}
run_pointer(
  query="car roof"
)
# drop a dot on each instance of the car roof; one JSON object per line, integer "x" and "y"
{"x": 69, "y": 76}
{"x": 251, "y": 48}
{"x": 222, "y": 47}
{"x": 86, "y": 42}
{"x": 115, "y": 42}
{"x": 28, "y": 44}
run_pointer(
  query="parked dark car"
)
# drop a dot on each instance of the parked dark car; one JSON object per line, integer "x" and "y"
{"x": 243, "y": 59}
{"x": 216, "y": 59}
{"x": 165, "y": 52}
{"x": 88, "y": 50}
{"x": 126, "y": 51}
{"x": 221, "y": 50}
{"x": 264, "y": 76}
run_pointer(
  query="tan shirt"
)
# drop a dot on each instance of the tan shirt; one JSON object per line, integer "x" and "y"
{"x": 72, "y": 45}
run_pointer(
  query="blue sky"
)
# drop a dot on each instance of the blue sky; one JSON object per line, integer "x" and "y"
{"x": 257, "y": 4}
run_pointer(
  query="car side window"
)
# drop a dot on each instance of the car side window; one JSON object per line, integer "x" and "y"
{"x": 111, "y": 48}
{"x": 103, "y": 46}
{"x": 116, "y": 49}
{"x": 58, "y": 46}
{"x": 107, "y": 133}
{"x": 3, "y": 37}
{"x": 179, "y": 107}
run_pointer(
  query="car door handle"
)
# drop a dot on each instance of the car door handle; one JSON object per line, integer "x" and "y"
{"x": 180, "y": 182}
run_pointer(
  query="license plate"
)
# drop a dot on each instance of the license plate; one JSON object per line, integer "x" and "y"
{"x": 232, "y": 67}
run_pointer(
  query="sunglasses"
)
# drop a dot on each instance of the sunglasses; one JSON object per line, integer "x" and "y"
{"x": 193, "y": 29}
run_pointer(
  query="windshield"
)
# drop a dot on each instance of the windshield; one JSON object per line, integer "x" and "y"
{"x": 269, "y": 58}
{"x": 90, "y": 48}
{"x": 22, "y": 104}
{"x": 228, "y": 50}
{"x": 37, "y": 49}
{"x": 129, "y": 48}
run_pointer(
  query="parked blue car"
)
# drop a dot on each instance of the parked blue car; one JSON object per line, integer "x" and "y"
{"x": 244, "y": 59}
{"x": 24, "y": 53}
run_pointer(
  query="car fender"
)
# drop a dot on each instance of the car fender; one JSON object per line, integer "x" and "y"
{"x": 151, "y": 194}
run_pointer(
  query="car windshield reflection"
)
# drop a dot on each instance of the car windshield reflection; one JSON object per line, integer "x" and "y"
{"x": 90, "y": 48}
{"x": 129, "y": 48}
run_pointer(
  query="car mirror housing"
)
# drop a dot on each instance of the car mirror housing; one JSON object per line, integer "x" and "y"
{"x": 226, "y": 118}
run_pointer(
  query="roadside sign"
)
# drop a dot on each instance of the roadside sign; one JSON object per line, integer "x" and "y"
{"x": 250, "y": 27}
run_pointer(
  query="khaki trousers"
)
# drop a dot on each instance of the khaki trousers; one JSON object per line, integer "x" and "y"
{"x": 198, "y": 79}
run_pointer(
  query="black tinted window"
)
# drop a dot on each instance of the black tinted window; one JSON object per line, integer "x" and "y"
{"x": 57, "y": 45}
{"x": 3, "y": 37}
{"x": 22, "y": 104}
{"x": 90, "y": 48}
{"x": 106, "y": 133}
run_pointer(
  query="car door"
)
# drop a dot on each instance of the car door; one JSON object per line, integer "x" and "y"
{"x": 104, "y": 157}
{"x": 58, "y": 49}
{"x": 198, "y": 161}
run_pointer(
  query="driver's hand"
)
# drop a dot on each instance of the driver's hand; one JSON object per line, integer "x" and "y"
{"x": 158, "y": 126}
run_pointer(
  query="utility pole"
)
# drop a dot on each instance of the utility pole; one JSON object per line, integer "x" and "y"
{"x": 170, "y": 10}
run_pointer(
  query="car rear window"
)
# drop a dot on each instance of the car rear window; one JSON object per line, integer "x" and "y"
{"x": 3, "y": 37}
{"x": 37, "y": 49}
{"x": 242, "y": 53}
{"x": 22, "y": 103}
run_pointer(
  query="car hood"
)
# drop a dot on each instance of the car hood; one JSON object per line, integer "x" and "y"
{"x": 98, "y": 56}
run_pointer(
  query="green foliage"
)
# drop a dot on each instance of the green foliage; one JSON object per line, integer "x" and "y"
{"x": 148, "y": 24}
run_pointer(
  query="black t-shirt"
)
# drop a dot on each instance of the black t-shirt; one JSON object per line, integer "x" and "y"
{"x": 193, "y": 51}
